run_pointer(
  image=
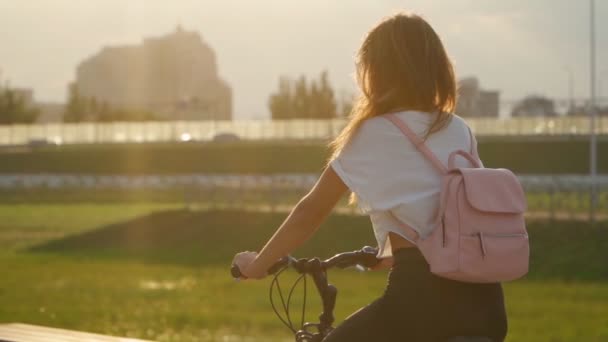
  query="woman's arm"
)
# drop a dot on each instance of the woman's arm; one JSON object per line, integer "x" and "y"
{"x": 299, "y": 226}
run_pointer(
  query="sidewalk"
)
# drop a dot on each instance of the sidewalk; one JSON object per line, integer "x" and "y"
{"x": 18, "y": 332}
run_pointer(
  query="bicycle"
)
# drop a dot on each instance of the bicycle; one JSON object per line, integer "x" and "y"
{"x": 364, "y": 258}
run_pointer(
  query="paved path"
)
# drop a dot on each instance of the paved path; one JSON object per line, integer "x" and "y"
{"x": 17, "y": 332}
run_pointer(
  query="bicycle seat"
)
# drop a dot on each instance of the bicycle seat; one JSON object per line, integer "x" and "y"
{"x": 469, "y": 339}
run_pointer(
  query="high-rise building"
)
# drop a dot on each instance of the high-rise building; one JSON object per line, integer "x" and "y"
{"x": 475, "y": 102}
{"x": 174, "y": 76}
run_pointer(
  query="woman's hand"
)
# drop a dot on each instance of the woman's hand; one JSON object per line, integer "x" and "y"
{"x": 383, "y": 264}
{"x": 244, "y": 260}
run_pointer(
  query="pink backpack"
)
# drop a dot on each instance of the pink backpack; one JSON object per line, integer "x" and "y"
{"x": 480, "y": 233}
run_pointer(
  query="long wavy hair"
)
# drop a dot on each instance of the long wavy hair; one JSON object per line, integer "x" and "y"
{"x": 401, "y": 65}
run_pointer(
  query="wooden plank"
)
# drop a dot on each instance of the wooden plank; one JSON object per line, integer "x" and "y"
{"x": 18, "y": 332}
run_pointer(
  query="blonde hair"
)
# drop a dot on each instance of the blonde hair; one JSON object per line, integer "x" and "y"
{"x": 401, "y": 65}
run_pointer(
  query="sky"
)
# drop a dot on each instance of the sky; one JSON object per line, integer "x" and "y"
{"x": 519, "y": 47}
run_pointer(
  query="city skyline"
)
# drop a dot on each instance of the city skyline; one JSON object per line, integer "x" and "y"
{"x": 513, "y": 47}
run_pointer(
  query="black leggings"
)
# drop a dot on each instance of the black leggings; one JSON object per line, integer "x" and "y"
{"x": 419, "y": 306}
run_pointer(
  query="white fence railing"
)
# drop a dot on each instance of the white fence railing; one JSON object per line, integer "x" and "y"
{"x": 167, "y": 131}
{"x": 549, "y": 196}
{"x": 304, "y": 181}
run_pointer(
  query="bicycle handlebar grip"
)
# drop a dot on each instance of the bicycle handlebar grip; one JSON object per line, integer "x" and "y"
{"x": 235, "y": 271}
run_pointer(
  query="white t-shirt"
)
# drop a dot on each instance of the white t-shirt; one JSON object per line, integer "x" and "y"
{"x": 386, "y": 172}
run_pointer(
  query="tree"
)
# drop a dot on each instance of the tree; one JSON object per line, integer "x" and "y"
{"x": 303, "y": 99}
{"x": 534, "y": 106}
{"x": 346, "y": 103}
{"x": 280, "y": 103}
{"x": 14, "y": 109}
{"x": 76, "y": 109}
{"x": 315, "y": 97}
{"x": 326, "y": 101}
{"x": 80, "y": 108}
{"x": 114, "y": 115}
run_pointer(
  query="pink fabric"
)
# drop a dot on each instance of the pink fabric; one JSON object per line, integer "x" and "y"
{"x": 417, "y": 141}
{"x": 473, "y": 160}
{"x": 502, "y": 182}
{"x": 480, "y": 234}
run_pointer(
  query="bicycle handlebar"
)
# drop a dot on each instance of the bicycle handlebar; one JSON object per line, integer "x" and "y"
{"x": 236, "y": 272}
{"x": 366, "y": 257}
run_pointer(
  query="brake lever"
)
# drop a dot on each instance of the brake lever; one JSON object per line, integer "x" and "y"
{"x": 369, "y": 254}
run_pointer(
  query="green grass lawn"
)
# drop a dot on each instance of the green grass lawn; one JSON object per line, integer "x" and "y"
{"x": 532, "y": 156}
{"x": 158, "y": 272}
{"x": 564, "y": 205}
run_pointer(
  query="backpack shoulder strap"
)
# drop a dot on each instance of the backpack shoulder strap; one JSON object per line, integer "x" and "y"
{"x": 474, "y": 151}
{"x": 416, "y": 141}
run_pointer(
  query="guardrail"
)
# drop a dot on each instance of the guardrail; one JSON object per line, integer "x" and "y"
{"x": 171, "y": 131}
{"x": 552, "y": 197}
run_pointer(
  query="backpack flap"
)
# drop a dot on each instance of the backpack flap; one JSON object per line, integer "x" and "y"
{"x": 493, "y": 190}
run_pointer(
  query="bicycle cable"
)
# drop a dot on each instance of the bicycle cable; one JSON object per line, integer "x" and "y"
{"x": 293, "y": 287}
{"x": 286, "y": 305}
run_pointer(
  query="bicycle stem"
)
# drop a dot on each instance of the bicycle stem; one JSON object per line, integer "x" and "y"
{"x": 328, "y": 294}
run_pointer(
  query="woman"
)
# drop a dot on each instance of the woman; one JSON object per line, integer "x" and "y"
{"x": 402, "y": 68}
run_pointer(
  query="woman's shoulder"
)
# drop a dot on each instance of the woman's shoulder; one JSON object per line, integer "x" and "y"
{"x": 374, "y": 126}
{"x": 458, "y": 120}
{"x": 417, "y": 121}
{"x": 459, "y": 123}
{"x": 411, "y": 118}
{"x": 375, "y": 122}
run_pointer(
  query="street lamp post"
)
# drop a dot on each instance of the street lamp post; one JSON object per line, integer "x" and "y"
{"x": 570, "y": 90}
{"x": 602, "y": 101}
{"x": 592, "y": 114}
{"x": 602, "y": 81}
